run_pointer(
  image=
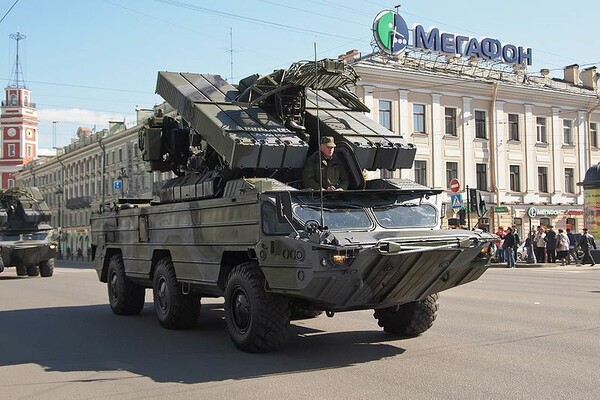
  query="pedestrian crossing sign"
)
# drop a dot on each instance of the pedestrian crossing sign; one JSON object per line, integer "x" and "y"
{"x": 456, "y": 201}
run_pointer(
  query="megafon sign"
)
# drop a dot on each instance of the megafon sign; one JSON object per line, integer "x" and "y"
{"x": 392, "y": 36}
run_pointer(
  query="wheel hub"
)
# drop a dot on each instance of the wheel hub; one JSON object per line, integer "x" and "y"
{"x": 163, "y": 294}
{"x": 240, "y": 310}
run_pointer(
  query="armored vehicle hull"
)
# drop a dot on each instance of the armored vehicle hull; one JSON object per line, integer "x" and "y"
{"x": 25, "y": 239}
{"x": 382, "y": 250}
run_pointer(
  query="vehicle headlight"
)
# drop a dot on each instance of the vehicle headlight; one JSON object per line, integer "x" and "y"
{"x": 52, "y": 247}
{"x": 341, "y": 258}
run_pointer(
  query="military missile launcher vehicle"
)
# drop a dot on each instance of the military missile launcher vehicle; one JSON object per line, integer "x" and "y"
{"x": 236, "y": 222}
{"x": 26, "y": 238}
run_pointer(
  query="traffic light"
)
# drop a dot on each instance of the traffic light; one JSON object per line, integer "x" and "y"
{"x": 476, "y": 203}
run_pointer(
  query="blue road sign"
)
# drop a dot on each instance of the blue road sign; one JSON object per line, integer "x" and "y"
{"x": 117, "y": 185}
{"x": 456, "y": 201}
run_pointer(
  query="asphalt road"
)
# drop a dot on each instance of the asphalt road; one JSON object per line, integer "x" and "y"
{"x": 515, "y": 333}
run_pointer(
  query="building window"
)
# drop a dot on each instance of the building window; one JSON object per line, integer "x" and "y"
{"x": 513, "y": 126}
{"x": 451, "y": 171}
{"x": 593, "y": 134}
{"x": 515, "y": 178}
{"x": 419, "y": 118}
{"x": 11, "y": 183}
{"x": 569, "y": 180}
{"x": 421, "y": 172}
{"x": 451, "y": 121}
{"x": 120, "y": 155}
{"x": 385, "y": 114}
{"x": 481, "y": 176}
{"x": 543, "y": 179}
{"x": 13, "y": 99}
{"x": 11, "y": 150}
{"x": 29, "y": 151}
{"x": 480, "y": 122}
{"x": 568, "y": 131}
{"x": 540, "y": 128}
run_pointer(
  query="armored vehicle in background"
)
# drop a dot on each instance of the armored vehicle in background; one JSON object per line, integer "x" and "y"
{"x": 26, "y": 238}
{"x": 236, "y": 223}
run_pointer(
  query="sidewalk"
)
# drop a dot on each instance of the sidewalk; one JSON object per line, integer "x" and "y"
{"x": 523, "y": 264}
{"x": 73, "y": 264}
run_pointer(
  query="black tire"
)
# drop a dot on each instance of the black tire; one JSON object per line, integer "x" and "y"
{"x": 409, "y": 319}
{"x": 21, "y": 270}
{"x": 125, "y": 297}
{"x": 47, "y": 268}
{"x": 174, "y": 309}
{"x": 257, "y": 321}
{"x": 32, "y": 270}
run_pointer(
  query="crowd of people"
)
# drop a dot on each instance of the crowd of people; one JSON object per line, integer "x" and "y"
{"x": 548, "y": 246}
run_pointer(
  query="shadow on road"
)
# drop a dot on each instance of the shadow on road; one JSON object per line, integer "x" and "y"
{"x": 92, "y": 338}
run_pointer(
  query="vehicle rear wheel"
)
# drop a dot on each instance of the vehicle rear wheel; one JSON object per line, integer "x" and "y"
{"x": 174, "y": 309}
{"x": 257, "y": 321}
{"x": 21, "y": 270}
{"x": 32, "y": 270}
{"x": 47, "y": 268}
{"x": 409, "y": 319}
{"x": 125, "y": 297}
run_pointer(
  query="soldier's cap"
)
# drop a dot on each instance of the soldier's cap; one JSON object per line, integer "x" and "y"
{"x": 328, "y": 141}
{"x": 585, "y": 229}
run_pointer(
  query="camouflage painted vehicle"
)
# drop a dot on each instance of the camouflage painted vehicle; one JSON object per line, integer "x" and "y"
{"x": 26, "y": 240}
{"x": 236, "y": 224}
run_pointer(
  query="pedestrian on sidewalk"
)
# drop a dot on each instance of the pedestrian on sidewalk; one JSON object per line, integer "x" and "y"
{"x": 562, "y": 247}
{"x": 586, "y": 243}
{"x": 517, "y": 241}
{"x": 508, "y": 247}
{"x": 550, "y": 245}
{"x": 572, "y": 246}
{"x": 540, "y": 245}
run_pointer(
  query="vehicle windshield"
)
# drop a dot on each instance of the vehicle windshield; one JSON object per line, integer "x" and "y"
{"x": 338, "y": 218}
{"x": 35, "y": 236}
{"x": 406, "y": 215}
{"x": 10, "y": 237}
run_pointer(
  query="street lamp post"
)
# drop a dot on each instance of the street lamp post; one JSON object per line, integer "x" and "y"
{"x": 59, "y": 192}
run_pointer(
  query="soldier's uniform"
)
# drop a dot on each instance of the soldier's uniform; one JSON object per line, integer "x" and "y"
{"x": 333, "y": 172}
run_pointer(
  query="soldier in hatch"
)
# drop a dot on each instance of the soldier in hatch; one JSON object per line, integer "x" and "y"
{"x": 334, "y": 175}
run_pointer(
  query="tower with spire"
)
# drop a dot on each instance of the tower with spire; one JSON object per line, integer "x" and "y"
{"x": 18, "y": 123}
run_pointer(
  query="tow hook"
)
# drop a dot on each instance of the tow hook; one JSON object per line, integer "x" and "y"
{"x": 329, "y": 313}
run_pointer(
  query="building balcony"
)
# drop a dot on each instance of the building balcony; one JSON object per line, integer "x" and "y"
{"x": 79, "y": 202}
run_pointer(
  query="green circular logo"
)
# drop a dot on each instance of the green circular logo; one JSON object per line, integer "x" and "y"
{"x": 390, "y": 32}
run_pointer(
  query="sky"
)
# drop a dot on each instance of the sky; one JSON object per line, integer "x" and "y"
{"x": 88, "y": 62}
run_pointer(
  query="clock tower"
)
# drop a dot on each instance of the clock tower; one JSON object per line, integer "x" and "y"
{"x": 18, "y": 124}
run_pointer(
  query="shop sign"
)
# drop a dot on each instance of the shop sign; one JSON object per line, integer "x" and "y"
{"x": 574, "y": 212}
{"x": 500, "y": 209}
{"x": 392, "y": 36}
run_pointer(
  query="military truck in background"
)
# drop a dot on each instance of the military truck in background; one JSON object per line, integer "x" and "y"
{"x": 236, "y": 223}
{"x": 26, "y": 238}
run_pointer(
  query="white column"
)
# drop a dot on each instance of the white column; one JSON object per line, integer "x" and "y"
{"x": 468, "y": 128}
{"x": 583, "y": 162}
{"x": 403, "y": 118}
{"x": 555, "y": 169}
{"x": 530, "y": 166}
{"x": 436, "y": 143}
{"x": 500, "y": 148}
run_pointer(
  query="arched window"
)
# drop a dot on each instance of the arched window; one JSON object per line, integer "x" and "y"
{"x": 13, "y": 99}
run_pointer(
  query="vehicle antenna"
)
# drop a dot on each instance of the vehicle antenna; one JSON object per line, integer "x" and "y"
{"x": 319, "y": 137}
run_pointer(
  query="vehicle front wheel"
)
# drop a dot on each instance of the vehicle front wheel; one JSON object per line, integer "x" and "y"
{"x": 125, "y": 297}
{"x": 32, "y": 270}
{"x": 409, "y": 319}
{"x": 47, "y": 268}
{"x": 174, "y": 309}
{"x": 257, "y": 321}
